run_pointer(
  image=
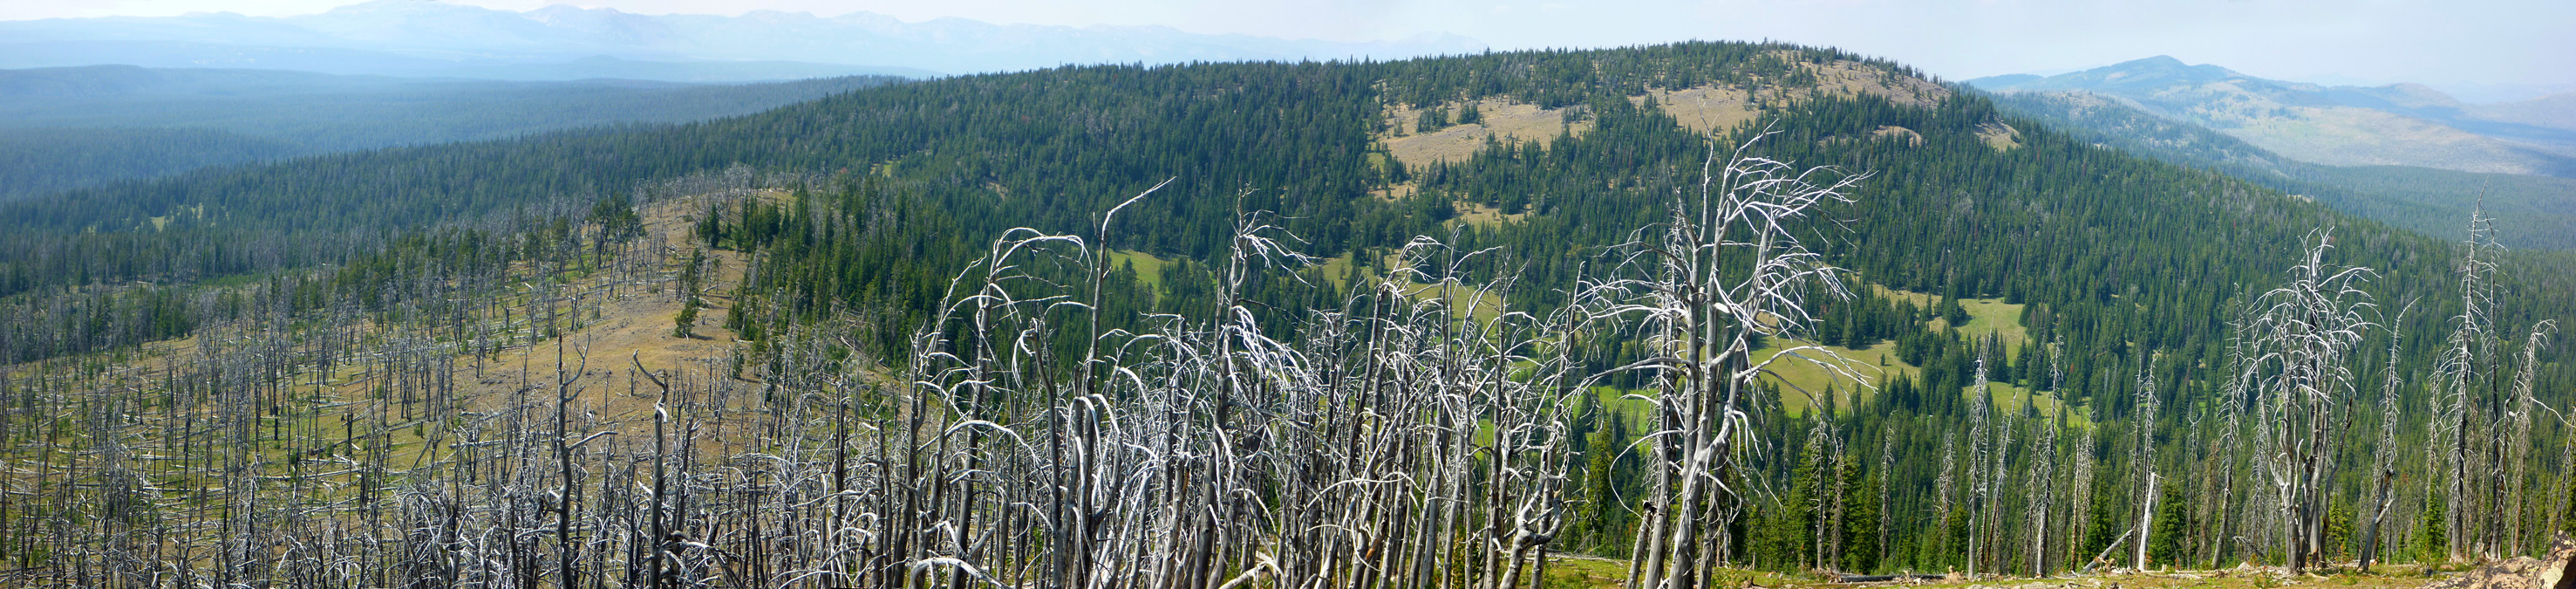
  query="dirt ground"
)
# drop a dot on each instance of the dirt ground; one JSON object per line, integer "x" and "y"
{"x": 1601, "y": 573}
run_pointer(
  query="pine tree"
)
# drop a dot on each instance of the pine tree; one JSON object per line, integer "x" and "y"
{"x": 2432, "y": 537}
{"x": 2173, "y": 526}
{"x": 685, "y": 324}
{"x": 1861, "y": 532}
{"x": 1602, "y": 525}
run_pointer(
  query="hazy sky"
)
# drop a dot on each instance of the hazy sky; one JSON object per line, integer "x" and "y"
{"x": 2459, "y": 45}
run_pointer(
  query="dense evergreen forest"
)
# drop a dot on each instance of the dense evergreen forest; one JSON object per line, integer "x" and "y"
{"x": 1226, "y": 325}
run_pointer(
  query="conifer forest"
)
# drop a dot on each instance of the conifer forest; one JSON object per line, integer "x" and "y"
{"x": 1681, "y": 315}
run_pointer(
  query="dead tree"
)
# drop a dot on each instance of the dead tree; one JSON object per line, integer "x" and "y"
{"x": 1705, "y": 322}
{"x": 1981, "y": 483}
{"x": 2483, "y": 428}
{"x": 2042, "y": 488}
{"x": 2304, "y": 335}
{"x": 2079, "y": 497}
{"x": 2464, "y": 369}
{"x": 2514, "y": 485}
{"x": 2142, "y": 456}
{"x": 2384, "y": 458}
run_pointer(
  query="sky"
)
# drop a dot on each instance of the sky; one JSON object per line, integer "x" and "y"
{"x": 2465, "y": 46}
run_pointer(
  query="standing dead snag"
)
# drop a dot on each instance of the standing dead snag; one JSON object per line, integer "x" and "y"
{"x": 1403, "y": 440}
{"x": 2303, "y": 334}
{"x": 2383, "y": 462}
{"x": 2514, "y": 484}
{"x": 1728, "y": 271}
{"x": 2142, "y": 455}
{"x": 2042, "y": 487}
{"x": 2465, "y": 366}
{"x": 1980, "y": 428}
{"x": 2481, "y": 434}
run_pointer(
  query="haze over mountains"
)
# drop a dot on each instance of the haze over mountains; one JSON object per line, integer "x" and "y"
{"x": 423, "y": 38}
{"x": 2534, "y": 212}
{"x": 75, "y": 127}
{"x": 89, "y": 101}
{"x": 2399, "y": 124}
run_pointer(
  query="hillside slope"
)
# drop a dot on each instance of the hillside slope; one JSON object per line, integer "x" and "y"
{"x": 2536, "y": 212}
{"x": 943, "y": 335}
{"x": 2398, "y": 125}
{"x": 1966, "y": 202}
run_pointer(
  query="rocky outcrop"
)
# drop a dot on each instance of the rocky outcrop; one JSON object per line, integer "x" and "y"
{"x": 2548, "y": 572}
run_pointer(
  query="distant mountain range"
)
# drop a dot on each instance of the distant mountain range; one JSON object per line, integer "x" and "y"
{"x": 74, "y": 127}
{"x": 429, "y": 38}
{"x": 2533, "y": 212}
{"x": 2400, "y": 124}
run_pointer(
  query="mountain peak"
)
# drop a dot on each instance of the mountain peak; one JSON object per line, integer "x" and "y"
{"x": 2157, "y": 61}
{"x": 2166, "y": 64}
{"x": 401, "y": 7}
{"x": 2162, "y": 71}
{"x": 562, "y": 9}
{"x": 2413, "y": 95}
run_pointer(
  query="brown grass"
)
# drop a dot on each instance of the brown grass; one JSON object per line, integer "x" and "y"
{"x": 1896, "y": 133}
{"x": 1504, "y": 120}
{"x": 2000, "y": 136}
{"x": 1484, "y": 215}
{"x": 626, "y": 331}
{"x": 1709, "y": 110}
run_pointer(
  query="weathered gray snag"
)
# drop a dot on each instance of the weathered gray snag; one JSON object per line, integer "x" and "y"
{"x": 2303, "y": 335}
{"x": 1706, "y": 321}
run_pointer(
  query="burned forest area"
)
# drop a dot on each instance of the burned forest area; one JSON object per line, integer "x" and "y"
{"x": 1679, "y": 316}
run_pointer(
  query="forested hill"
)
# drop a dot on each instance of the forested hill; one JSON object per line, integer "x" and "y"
{"x": 2109, "y": 290}
{"x": 1965, "y": 202}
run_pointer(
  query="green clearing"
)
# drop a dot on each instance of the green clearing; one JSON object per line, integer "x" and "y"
{"x": 1985, "y": 315}
{"x": 1487, "y": 307}
{"x": 1803, "y": 381}
{"x": 1584, "y": 573}
{"x": 1148, "y": 267}
{"x": 1616, "y": 400}
{"x": 1920, "y": 300}
{"x": 1994, "y": 316}
{"x": 1460, "y": 294}
{"x": 2010, "y": 400}
{"x": 1988, "y": 316}
{"x": 1338, "y": 270}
